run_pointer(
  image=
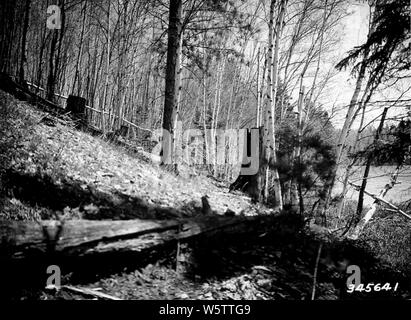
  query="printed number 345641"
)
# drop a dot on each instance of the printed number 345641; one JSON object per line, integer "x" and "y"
{"x": 372, "y": 287}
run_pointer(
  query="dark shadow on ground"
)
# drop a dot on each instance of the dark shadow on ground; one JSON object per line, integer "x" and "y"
{"x": 289, "y": 259}
{"x": 284, "y": 247}
{"x": 46, "y": 192}
{"x": 291, "y": 256}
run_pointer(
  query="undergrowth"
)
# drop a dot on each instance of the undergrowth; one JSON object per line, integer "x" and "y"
{"x": 388, "y": 235}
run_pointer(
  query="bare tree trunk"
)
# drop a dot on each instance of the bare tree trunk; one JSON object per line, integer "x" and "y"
{"x": 7, "y": 37}
{"x": 103, "y": 109}
{"x": 349, "y": 167}
{"x": 257, "y": 116}
{"x": 318, "y": 62}
{"x": 350, "y": 113}
{"x": 177, "y": 128}
{"x": 216, "y": 112}
{"x": 349, "y": 117}
{"x": 50, "y": 78}
{"x": 55, "y": 57}
{"x": 269, "y": 130}
{"x": 370, "y": 213}
{"x": 146, "y": 108}
{"x": 119, "y": 108}
{"x": 204, "y": 82}
{"x": 294, "y": 41}
{"x": 234, "y": 92}
{"x": 267, "y": 113}
{"x": 171, "y": 83}
{"x": 297, "y": 189}
{"x": 39, "y": 75}
{"x": 262, "y": 92}
{"x": 23, "y": 42}
{"x": 80, "y": 51}
{"x": 298, "y": 153}
{"x": 368, "y": 166}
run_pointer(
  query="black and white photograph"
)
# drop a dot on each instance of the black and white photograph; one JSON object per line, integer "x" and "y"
{"x": 205, "y": 154}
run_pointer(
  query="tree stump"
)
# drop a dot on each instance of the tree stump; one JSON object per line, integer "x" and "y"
{"x": 123, "y": 131}
{"x": 6, "y": 84}
{"x": 77, "y": 107}
{"x": 114, "y": 135}
{"x": 252, "y": 184}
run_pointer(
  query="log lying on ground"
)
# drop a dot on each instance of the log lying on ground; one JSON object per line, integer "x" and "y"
{"x": 377, "y": 199}
{"x": 83, "y": 237}
{"x": 370, "y": 213}
{"x": 86, "y": 292}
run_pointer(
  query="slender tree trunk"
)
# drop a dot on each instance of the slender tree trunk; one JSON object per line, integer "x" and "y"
{"x": 103, "y": 109}
{"x": 368, "y": 166}
{"x": 206, "y": 145}
{"x": 269, "y": 131}
{"x": 55, "y": 57}
{"x": 60, "y": 68}
{"x": 39, "y": 76}
{"x": 80, "y": 51}
{"x": 297, "y": 188}
{"x": 293, "y": 44}
{"x": 219, "y": 89}
{"x": 262, "y": 90}
{"x": 318, "y": 63}
{"x": 7, "y": 33}
{"x": 269, "y": 101}
{"x": 233, "y": 94}
{"x": 257, "y": 116}
{"x": 298, "y": 153}
{"x": 348, "y": 118}
{"x": 349, "y": 167}
{"x": 370, "y": 213}
{"x": 177, "y": 127}
{"x": 216, "y": 112}
{"x": 50, "y": 78}
{"x": 23, "y": 42}
{"x": 212, "y": 152}
{"x": 145, "y": 106}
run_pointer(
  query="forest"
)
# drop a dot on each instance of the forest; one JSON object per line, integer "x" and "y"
{"x": 160, "y": 128}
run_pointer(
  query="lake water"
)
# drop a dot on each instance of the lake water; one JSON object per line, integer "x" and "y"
{"x": 378, "y": 178}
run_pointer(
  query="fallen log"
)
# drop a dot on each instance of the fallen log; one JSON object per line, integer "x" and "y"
{"x": 84, "y": 237}
{"x": 378, "y": 198}
{"x": 370, "y": 213}
{"x": 85, "y": 291}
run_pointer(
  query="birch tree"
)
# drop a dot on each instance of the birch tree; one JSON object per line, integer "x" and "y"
{"x": 272, "y": 80}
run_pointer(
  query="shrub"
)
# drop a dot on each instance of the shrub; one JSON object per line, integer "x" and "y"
{"x": 389, "y": 236}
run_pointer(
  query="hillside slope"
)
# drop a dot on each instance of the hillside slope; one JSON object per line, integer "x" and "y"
{"x": 49, "y": 167}
{"x": 61, "y": 167}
